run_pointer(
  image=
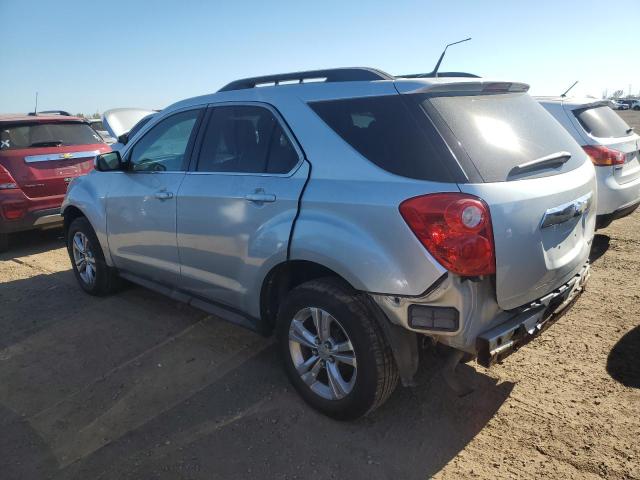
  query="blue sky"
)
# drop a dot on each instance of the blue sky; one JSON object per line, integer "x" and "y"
{"x": 85, "y": 56}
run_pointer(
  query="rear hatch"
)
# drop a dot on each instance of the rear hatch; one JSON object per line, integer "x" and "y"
{"x": 538, "y": 182}
{"x": 599, "y": 124}
{"x": 43, "y": 157}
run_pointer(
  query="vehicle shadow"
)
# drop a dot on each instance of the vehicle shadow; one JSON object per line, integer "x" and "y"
{"x": 251, "y": 424}
{"x": 138, "y": 386}
{"x": 33, "y": 242}
{"x": 599, "y": 247}
{"x": 623, "y": 362}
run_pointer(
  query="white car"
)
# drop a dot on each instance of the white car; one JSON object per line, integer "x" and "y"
{"x": 124, "y": 123}
{"x": 97, "y": 125}
{"x": 617, "y": 105}
{"x": 614, "y": 149}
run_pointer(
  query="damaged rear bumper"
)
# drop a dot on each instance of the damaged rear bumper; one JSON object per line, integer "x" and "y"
{"x": 499, "y": 342}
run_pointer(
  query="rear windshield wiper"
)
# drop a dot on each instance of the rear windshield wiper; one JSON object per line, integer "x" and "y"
{"x": 629, "y": 130}
{"x": 48, "y": 143}
{"x": 555, "y": 159}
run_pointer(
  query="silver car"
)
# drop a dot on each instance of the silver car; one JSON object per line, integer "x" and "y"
{"x": 612, "y": 145}
{"x": 351, "y": 213}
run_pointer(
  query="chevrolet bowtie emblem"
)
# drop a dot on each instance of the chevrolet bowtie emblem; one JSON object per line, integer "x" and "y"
{"x": 66, "y": 156}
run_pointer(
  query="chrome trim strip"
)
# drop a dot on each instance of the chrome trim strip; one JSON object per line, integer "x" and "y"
{"x": 61, "y": 156}
{"x": 563, "y": 213}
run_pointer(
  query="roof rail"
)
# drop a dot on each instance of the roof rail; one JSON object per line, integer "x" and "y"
{"x": 439, "y": 74}
{"x": 330, "y": 75}
{"x": 50, "y": 112}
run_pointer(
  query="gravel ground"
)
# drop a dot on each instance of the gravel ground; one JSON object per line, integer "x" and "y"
{"x": 138, "y": 386}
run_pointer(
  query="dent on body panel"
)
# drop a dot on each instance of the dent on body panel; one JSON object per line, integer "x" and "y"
{"x": 369, "y": 262}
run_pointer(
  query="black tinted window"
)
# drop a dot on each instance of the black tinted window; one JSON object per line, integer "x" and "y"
{"x": 163, "y": 147}
{"x": 46, "y": 135}
{"x": 499, "y": 132}
{"x": 384, "y": 130}
{"x": 602, "y": 122}
{"x": 245, "y": 139}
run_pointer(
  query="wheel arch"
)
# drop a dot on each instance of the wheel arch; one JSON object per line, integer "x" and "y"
{"x": 283, "y": 278}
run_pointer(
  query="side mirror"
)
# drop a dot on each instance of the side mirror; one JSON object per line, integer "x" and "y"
{"x": 108, "y": 162}
{"x": 123, "y": 139}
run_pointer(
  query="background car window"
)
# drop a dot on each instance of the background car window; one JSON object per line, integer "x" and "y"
{"x": 603, "y": 122}
{"x": 245, "y": 139}
{"x": 46, "y": 135}
{"x": 164, "y": 146}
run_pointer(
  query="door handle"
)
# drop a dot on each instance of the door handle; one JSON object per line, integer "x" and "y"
{"x": 260, "y": 197}
{"x": 163, "y": 195}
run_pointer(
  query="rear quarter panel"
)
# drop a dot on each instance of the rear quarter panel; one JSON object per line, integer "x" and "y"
{"x": 356, "y": 230}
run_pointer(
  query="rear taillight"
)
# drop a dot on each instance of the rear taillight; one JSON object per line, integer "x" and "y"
{"x": 604, "y": 156}
{"x": 6, "y": 180}
{"x": 13, "y": 211}
{"x": 456, "y": 229}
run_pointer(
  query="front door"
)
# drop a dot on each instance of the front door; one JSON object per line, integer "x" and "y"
{"x": 141, "y": 204}
{"x": 236, "y": 210}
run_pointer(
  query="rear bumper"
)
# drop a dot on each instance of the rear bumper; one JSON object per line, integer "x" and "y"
{"x": 38, "y": 219}
{"x": 499, "y": 342}
{"x": 614, "y": 196}
{"x": 603, "y": 221}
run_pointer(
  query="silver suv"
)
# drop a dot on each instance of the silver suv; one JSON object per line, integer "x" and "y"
{"x": 353, "y": 214}
{"x": 612, "y": 145}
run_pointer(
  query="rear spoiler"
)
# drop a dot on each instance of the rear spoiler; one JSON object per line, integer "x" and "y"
{"x": 460, "y": 88}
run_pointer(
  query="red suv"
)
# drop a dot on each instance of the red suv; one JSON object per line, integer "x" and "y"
{"x": 39, "y": 156}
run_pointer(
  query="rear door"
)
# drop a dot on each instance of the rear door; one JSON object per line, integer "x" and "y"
{"x": 601, "y": 124}
{"x": 237, "y": 207}
{"x": 141, "y": 204}
{"x": 537, "y": 181}
{"x": 43, "y": 157}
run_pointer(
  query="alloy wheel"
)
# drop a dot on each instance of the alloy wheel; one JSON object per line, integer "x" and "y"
{"x": 322, "y": 353}
{"x": 84, "y": 259}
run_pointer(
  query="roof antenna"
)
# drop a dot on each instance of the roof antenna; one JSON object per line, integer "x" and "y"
{"x": 35, "y": 110}
{"x": 435, "y": 70}
{"x": 567, "y": 90}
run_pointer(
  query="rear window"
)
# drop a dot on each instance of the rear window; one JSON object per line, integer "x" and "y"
{"x": 46, "y": 135}
{"x": 602, "y": 122}
{"x": 384, "y": 130}
{"x": 502, "y": 131}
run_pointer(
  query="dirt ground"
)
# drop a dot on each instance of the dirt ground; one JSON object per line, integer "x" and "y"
{"x": 136, "y": 386}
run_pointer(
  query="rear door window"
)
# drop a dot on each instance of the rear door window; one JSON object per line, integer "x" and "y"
{"x": 246, "y": 139}
{"x": 502, "y": 131}
{"x": 602, "y": 122}
{"x": 386, "y": 132}
{"x": 46, "y": 135}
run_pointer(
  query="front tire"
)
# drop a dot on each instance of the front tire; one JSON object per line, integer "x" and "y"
{"x": 87, "y": 259}
{"x": 334, "y": 352}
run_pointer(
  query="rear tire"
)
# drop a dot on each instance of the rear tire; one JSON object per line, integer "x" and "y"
{"x": 360, "y": 376}
{"x": 87, "y": 259}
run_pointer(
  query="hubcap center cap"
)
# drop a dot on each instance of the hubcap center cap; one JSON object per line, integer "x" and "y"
{"x": 324, "y": 351}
